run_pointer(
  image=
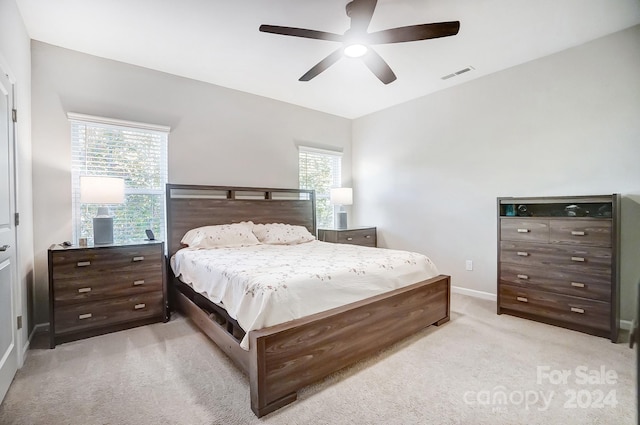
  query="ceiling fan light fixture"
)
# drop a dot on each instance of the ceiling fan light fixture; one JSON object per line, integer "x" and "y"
{"x": 357, "y": 39}
{"x": 355, "y": 50}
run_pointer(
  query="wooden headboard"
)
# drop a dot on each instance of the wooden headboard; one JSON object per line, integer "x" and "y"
{"x": 191, "y": 206}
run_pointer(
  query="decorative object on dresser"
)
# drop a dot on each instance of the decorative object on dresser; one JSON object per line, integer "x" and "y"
{"x": 341, "y": 196}
{"x": 102, "y": 190}
{"x": 365, "y": 236}
{"x": 96, "y": 290}
{"x": 559, "y": 263}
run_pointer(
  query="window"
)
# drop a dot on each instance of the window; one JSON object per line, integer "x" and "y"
{"x": 135, "y": 152}
{"x": 320, "y": 170}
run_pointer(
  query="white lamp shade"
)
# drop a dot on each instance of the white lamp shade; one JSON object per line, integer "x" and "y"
{"x": 341, "y": 196}
{"x": 101, "y": 190}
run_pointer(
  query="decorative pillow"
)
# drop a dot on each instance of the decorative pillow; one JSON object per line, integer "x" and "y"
{"x": 282, "y": 234}
{"x": 221, "y": 236}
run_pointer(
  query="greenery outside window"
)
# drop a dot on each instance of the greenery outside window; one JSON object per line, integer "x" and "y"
{"x": 137, "y": 153}
{"x": 321, "y": 170}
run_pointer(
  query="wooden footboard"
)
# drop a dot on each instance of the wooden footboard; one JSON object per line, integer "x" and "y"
{"x": 290, "y": 356}
{"x": 287, "y": 357}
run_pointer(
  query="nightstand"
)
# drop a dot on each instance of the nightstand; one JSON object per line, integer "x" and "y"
{"x": 365, "y": 236}
{"x": 99, "y": 289}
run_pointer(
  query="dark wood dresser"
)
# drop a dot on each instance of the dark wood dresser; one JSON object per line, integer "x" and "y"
{"x": 101, "y": 289}
{"x": 558, "y": 261}
{"x": 365, "y": 236}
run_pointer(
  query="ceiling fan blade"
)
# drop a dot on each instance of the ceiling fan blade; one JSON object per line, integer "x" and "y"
{"x": 322, "y": 65}
{"x": 301, "y": 32}
{"x": 361, "y": 12}
{"x": 414, "y": 33}
{"x": 379, "y": 67}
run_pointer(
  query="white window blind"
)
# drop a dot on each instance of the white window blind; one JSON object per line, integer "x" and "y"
{"x": 137, "y": 153}
{"x": 321, "y": 170}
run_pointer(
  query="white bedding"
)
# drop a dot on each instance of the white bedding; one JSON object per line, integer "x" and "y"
{"x": 264, "y": 285}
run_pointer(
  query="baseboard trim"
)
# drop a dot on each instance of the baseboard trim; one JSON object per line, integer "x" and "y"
{"x": 27, "y": 344}
{"x": 473, "y": 293}
{"x": 25, "y": 348}
{"x": 626, "y": 325}
{"x": 40, "y": 327}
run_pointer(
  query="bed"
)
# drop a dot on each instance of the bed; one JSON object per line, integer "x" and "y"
{"x": 283, "y": 358}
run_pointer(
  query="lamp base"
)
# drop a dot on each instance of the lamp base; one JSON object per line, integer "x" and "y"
{"x": 102, "y": 230}
{"x": 342, "y": 219}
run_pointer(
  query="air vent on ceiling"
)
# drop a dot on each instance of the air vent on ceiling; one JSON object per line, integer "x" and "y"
{"x": 455, "y": 74}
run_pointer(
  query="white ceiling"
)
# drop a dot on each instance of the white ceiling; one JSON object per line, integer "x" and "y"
{"x": 218, "y": 41}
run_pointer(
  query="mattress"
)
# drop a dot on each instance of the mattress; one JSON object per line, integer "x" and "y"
{"x": 264, "y": 285}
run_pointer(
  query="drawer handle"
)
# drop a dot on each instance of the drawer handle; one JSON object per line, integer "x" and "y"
{"x": 138, "y": 282}
{"x": 368, "y": 237}
{"x": 522, "y": 299}
{"x": 84, "y": 263}
{"x": 138, "y": 258}
{"x": 577, "y": 233}
{"x": 523, "y": 254}
{"x": 523, "y": 230}
{"x": 349, "y": 239}
{"x": 83, "y": 290}
{"x": 523, "y": 276}
{"x": 85, "y": 316}
{"x": 578, "y": 259}
{"x": 577, "y": 310}
{"x": 139, "y": 306}
{"x": 577, "y": 284}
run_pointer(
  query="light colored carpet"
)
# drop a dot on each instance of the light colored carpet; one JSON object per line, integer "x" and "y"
{"x": 480, "y": 368}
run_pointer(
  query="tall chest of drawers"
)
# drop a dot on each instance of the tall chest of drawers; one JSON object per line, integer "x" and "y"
{"x": 558, "y": 261}
{"x": 96, "y": 290}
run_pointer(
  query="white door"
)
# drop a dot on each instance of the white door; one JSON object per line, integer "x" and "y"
{"x": 8, "y": 332}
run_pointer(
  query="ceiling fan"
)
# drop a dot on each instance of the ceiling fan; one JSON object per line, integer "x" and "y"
{"x": 356, "y": 41}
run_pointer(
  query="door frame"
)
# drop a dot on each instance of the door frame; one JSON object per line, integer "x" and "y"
{"x": 20, "y": 334}
{"x": 18, "y": 298}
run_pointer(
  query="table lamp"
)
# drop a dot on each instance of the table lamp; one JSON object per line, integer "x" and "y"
{"x": 102, "y": 190}
{"x": 341, "y": 196}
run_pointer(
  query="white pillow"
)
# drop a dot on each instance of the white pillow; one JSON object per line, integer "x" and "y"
{"x": 221, "y": 236}
{"x": 282, "y": 234}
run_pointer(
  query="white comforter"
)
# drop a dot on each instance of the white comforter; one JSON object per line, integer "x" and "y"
{"x": 264, "y": 285}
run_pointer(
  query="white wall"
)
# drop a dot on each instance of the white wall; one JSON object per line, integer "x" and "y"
{"x": 15, "y": 55}
{"x": 428, "y": 172}
{"x": 219, "y": 136}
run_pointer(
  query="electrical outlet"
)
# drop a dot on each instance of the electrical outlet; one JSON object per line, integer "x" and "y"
{"x": 468, "y": 265}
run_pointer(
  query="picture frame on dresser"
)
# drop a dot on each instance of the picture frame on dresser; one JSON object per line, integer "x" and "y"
{"x": 559, "y": 263}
